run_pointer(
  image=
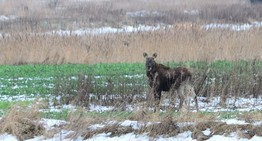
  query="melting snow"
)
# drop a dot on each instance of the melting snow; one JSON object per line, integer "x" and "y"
{"x": 234, "y": 27}
{"x": 6, "y": 18}
{"x": 106, "y": 30}
{"x": 234, "y": 121}
{"x": 185, "y": 136}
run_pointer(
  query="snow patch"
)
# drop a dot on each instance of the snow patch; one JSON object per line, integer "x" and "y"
{"x": 107, "y": 30}
{"x": 234, "y": 27}
{"x": 99, "y": 108}
{"x": 7, "y": 18}
{"x": 234, "y": 121}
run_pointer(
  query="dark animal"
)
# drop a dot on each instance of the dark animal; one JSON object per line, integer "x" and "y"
{"x": 162, "y": 78}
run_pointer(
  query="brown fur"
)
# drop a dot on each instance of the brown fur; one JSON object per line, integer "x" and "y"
{"x": 162, "y": 78}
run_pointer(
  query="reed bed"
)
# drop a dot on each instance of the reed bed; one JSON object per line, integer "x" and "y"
{"x": 174, "y": 44}
{"x": 27, "y": 36}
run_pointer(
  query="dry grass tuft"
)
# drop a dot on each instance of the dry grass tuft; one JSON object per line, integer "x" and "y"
{"x": 251, "y": 117}
{"x": 79, "y": 123}
{"x": 257, "y": 130}
{"x": 141, "y": 115}
{"x": 22, "y": 122}
{"x": 209, "y": 124}
{"x": 199, "y": 135}
{"x": 221, "y": 128}
{"x": 195, "y": 117}
{"x": 114, "y": 130}
{"x": 167, "y": 127}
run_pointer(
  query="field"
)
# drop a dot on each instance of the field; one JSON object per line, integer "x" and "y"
{"x": 74, "y": 69}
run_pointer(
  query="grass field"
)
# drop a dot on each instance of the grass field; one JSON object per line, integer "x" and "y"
{"x": 123, "y": 83}
{"x": 43, "y": 79}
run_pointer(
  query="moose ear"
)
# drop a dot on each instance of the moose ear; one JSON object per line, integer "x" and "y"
{"x": 145, "y": 54}
{"x": 154, "y": 55}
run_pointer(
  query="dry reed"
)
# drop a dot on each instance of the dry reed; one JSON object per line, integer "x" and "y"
{"x": 25, "y": 39}
{"x": 171, "y": 45}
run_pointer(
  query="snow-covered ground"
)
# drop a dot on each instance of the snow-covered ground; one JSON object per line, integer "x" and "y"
{"x": 139, "y": 28}
{"x": 205, "y": 104}
{"x": 234, "y": 27}
{"x": 107, "y": 30}
{"x": 211, "y": 105}
{"x": 49, "y": 123}
{"x": 7, "y": 18}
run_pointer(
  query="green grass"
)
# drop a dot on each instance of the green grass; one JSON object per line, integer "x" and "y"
{"x": 113, "y": 69}
{"x": 40, "y": 79}
{"x": 64, "y": 113}
{"x": 228, "y": 115}
{"x": 59, "y": 80}
{"x": 124, "y": 115}
{"x": 60, "y": 115}
{"x": 6, "y": 105}
{"x": 46, "y": 71}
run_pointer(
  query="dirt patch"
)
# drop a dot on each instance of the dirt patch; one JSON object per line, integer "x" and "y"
{"x": 22, "y": 122}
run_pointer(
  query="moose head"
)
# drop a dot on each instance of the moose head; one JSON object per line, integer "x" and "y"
{"x": 150, "y": 62}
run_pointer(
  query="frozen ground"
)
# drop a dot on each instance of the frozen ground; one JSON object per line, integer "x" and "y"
{"x": 211, "y": 105}
{"x": 205, "y": 104}
{"x": 49, "y": 124}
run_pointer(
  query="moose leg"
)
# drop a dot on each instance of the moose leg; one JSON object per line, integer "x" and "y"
{"x": 157, "y": 92}
{"x": 187, "y": 102}
{"x": 181, "y": 102}
{"x": 189, "y": 93}
{"x": 150, "y": 97}
{"x": 157, "y": 97}
{"x": 181, "y": 95}
{"x": 173, "y": 98}
{"x": 195, "y": 99}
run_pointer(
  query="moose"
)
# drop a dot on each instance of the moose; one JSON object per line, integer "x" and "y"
{"x": 162, "y": 78}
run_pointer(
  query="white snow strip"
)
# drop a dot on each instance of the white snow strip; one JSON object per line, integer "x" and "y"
{"x": 234, "y": 27}
{"x": 234, "y": 121}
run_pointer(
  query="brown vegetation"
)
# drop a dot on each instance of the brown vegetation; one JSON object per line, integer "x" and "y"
{"x": 168, "y": 126}
{"x": 22, "y": 122}
{"x": 177, "y": 45}
{"x": 25, "y": 124}
{"x": 25, "y": 39}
